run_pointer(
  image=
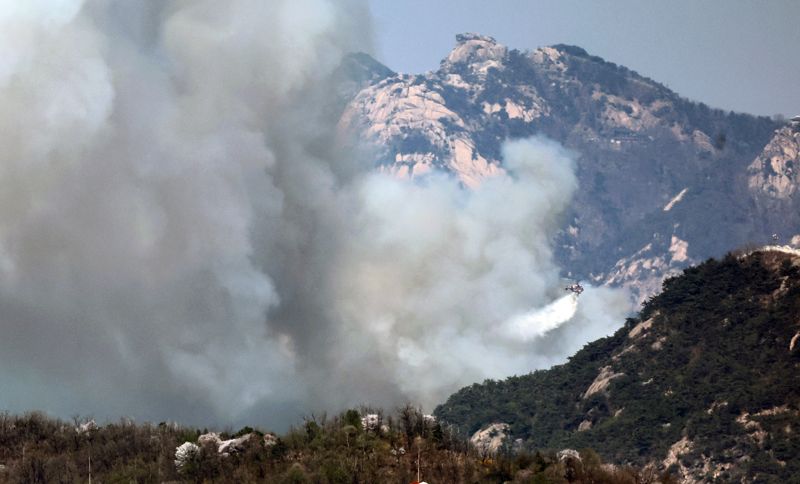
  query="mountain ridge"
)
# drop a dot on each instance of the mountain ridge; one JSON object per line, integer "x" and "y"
{"x": 637, "y": 143}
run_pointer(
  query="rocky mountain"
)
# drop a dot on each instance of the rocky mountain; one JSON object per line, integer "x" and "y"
{"x": 704, "y": 382}
{"x": 773, "y": 181}
{"x": 664, "y": 181}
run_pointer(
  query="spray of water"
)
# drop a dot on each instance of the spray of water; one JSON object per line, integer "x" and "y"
{"x": 540, "y": 321}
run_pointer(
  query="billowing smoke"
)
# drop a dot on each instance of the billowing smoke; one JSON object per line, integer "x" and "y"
{"x": 181, "y": 238}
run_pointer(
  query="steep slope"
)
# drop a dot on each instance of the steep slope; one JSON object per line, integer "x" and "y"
{"x": 357, "y": 71}
{"x": 774, "y": 183}
{"x": 703, "y": 382}
{"x": 649, "y": 162}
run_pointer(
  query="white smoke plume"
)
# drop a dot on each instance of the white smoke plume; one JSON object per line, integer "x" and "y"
{"x": 181, "y": 239}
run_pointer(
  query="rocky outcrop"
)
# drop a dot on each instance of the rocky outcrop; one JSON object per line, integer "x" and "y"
{"x": 86, "y": 427}
{"x": 676, "y": 450}
{"x": 475, "y": 54}
{"x": 568, "y": 454}
{"x": 600, "y": 383}
{"x": 644, "y": 271}
{"x": 641, "y": 328}
{"x": 773, "y": 182}
{"x": 774, "y": 172}
{"x": 224, "y": 447}
{"x": 490, "y": 440}
{"x": 185, "y": 454}
{"x": 371, "y": 422}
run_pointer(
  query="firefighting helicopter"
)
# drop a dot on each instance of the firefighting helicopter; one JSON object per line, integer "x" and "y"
{"x": 575, "y": 288}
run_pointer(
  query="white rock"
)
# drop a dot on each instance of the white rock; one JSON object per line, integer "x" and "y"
{"x": 233, "y": 445}
{"x": 678, "y": 449}
{"x": 371, "y": 421}
{"x": 568, "y": 453}
{"x": 209, "y": 438}
{"x": 490, "y": 439}
{"x": 640, "y": 328}
{"x": 774, "y": 172}
{"x": 185, "y": 453}
{"x": 479, "y": 52}
{"x": 678, "y": 249}
{"x": 677, "y": 198}
{"x": 270, "y": 440}
{"x": 602, "y": 381}
{"x": 86, "y": 427}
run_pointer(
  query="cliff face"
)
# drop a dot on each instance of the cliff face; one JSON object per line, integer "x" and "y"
{"x": 773, "y": 183}
{"x": 653, "y": 167}
{"x": 773, "y": 174}
{"x": 704, "y": 382}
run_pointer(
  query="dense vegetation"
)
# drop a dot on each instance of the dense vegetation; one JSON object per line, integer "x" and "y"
{"x": 712, "y": 364}
{"x": 34, "y": 448}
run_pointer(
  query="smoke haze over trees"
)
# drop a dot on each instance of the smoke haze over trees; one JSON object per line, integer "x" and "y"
{"x": 182, "y": 237}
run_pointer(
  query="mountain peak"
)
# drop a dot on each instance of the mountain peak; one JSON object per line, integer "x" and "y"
{"x": 477, "y": 52}
{"x": 472, "y": 36}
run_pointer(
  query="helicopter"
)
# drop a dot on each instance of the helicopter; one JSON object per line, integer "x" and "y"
{"x": 575, "y": 288}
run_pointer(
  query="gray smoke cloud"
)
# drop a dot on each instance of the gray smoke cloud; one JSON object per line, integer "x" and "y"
{"x": 181, "y": 236}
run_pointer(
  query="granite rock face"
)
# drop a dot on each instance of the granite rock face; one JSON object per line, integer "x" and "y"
{"x": 663, "y": 179}
{"x": 773, "y": 181}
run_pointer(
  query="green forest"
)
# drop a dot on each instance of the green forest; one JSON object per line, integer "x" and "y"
{"x": 714, "y": 366}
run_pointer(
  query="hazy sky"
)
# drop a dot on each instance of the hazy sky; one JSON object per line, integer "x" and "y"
{"x": 738, "y": 55}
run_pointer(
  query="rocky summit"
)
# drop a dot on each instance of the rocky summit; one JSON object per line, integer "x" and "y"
{"x": 664, "y": 181}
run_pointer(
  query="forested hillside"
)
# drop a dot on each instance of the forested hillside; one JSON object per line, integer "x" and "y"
{"x": 704, "y": 382}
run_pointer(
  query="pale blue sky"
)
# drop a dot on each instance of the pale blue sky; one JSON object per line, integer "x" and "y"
{"x": 742, "y": 55}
